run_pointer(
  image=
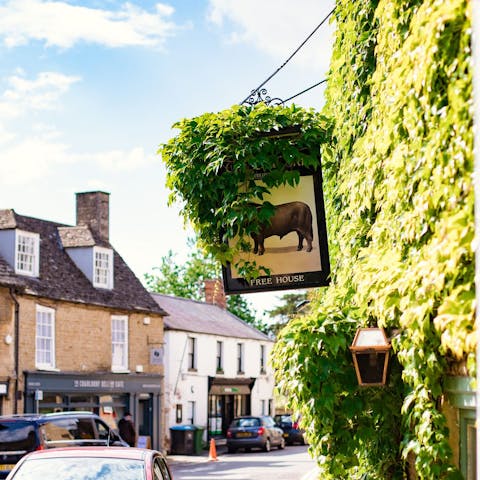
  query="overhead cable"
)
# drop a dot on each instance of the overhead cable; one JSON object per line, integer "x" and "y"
{"x": 306, "y": 90}
{"x": 289, "y": 58}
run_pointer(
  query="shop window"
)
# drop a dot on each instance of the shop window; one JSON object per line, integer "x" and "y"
{"x": 45, "y": 338}
{"x": 240, "y": 366}
{"x": 119, "y": 343}
{"x": 192, "y": 353}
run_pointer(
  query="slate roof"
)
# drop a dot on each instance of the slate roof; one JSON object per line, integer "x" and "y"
{"x": 201, "y": 317}
{"x": 60, "y": 279}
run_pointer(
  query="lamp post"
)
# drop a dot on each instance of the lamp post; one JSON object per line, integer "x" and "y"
{"x": 370, "y": 352}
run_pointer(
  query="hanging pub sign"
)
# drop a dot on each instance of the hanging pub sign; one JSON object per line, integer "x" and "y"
{"x": 292, "y": 245}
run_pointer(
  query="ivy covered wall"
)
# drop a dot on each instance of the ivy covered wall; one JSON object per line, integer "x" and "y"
{"x": 399, "y": 198}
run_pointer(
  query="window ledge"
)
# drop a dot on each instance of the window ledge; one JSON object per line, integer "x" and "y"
{"x": 120, "y": 370}
{"x": 47, "y": 368}
{"x": 192, "y": 370}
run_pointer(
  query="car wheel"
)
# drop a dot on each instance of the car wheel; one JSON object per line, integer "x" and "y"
{"x": 282, "y": 444}
{"x": 267, "y": 447}
{"x": 302, "y": 440}
{"x": 231, "y": 450}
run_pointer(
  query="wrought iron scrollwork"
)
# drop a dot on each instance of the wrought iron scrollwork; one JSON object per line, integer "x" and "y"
{"x": 260, "y": 95}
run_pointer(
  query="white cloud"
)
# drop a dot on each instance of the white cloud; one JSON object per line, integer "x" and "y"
{"x": 38, "y": 150}
{"x": 41, "y": 93}
{"x": 63, "y": 25}
{"x": 277, "y": 27}
{"x": 21, "y": 97}
{"x": 36, "y": 157}
{"x": 30, "y": 159}
{"x": 121, "y": 160}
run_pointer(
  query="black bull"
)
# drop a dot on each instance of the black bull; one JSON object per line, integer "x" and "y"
{"x": 288, "y": 217}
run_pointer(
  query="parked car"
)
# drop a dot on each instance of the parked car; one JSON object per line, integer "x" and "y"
{"x": 21, "y": 434}
{"x": 291, "y": 429}
{"x": 93, "y": 463}
{"x": 254, "y": 432}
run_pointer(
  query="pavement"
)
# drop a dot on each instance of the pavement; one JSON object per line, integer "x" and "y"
{"x": 220, "y": 450}
{"x": 200, "y": 457}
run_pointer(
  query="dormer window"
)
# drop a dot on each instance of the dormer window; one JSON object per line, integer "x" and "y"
{"x": 102, "y": 268}
{"x": 27, "y": 253}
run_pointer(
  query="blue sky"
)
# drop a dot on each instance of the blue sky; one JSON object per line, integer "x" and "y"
{"x": 89, "y": 89}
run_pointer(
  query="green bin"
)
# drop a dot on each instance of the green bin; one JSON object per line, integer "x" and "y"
{"x": 198, "y": 439}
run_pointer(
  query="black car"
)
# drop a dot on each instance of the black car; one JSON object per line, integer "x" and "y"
{"x": 21, "y": 434}
{"x": 291, "y": 430}
{"x": 254, "y": 432}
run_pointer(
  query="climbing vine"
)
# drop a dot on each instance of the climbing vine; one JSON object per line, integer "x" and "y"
{"x": 212, "y": 165}
{"x": 399, "y": 200}
{"x": 396, "y": 141}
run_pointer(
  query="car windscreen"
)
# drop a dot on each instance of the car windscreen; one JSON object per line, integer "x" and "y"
{"x": 91, "y": 468}
{"x": 17, "y": 436}
{"x": 284, "y": 419}
{"x": 246, "y": 422}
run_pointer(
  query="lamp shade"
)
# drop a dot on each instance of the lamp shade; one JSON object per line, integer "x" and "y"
{"x": 370, "y": 351}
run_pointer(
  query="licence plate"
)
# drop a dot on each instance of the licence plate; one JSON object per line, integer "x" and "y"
{"x": 244, "y": 434}
{"x": 285, "y": 435}
{"x": 6, "y": 466}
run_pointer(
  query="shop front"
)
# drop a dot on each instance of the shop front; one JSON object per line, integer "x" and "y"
{"x": 109, "y": 395}
{"x": 227, "y": 398}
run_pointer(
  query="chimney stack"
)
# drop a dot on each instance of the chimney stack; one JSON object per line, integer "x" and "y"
{"x": 93, "y": 212}
{"x": 215, "y": 294}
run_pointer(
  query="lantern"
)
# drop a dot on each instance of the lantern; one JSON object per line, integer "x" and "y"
{"x": 370, "y": 351}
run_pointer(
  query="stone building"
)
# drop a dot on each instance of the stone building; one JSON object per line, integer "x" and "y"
{"x": 78, "y": 331}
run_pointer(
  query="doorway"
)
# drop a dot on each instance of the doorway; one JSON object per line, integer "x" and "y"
{"x": 145, "y": 415}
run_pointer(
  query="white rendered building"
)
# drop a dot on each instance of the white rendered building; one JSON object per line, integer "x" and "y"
{"x": 216, "y": 366}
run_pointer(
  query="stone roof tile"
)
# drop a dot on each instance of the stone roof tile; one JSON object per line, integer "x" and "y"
{"x": 201, "y": 317}
{"x": 76, "y": 236}
{"x": 60, "y": 279}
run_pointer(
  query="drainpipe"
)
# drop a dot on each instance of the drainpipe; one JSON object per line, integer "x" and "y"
{"x": 16, "y": 347}
{"x": 180, "y": 367}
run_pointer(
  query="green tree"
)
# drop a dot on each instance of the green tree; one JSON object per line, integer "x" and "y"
{"x": 291, "y": 304}
{"x": 186, "y": 280}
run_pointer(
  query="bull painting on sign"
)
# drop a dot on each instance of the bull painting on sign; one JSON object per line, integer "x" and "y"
{"x": 292, "y": 244}
{"x": 288, "y": 217}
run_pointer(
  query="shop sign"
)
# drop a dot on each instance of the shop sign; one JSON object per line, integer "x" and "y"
{"x": 293, "y": 246}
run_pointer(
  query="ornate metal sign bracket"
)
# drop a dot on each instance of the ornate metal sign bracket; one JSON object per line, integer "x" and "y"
{"x": 260, "y": 95}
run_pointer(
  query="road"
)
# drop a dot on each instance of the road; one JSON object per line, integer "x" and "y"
{"x": 293, "y": 463}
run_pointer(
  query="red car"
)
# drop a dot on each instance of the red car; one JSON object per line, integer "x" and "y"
{"x": 95, "y": 463}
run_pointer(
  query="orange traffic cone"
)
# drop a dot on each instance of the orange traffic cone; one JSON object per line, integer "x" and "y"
{"x": 212, "y": 455}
